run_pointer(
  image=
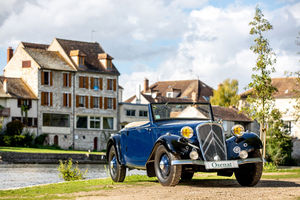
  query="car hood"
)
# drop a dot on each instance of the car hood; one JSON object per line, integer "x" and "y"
{"x": 178, "y": 124}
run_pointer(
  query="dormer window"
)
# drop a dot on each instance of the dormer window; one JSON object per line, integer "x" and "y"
{"x": 78, "y": 57}
{"x": 105, "y": 60}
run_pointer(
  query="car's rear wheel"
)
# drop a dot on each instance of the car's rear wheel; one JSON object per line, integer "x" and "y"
{"x": 117, "y": 171}
{"x": 249, "y": 174}
{"x": 186, "y": 175}
{"x": 167, "y": 174}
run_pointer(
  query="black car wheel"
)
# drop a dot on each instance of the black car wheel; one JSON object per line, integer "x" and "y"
{"x": 167, "y": 174}
{"x": 249, "y": 174}
{"x": 117, "y": 171}
{"x": 186, "y": 175}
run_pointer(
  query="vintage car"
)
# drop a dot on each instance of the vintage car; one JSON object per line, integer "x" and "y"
{"x": 180, "y": 139}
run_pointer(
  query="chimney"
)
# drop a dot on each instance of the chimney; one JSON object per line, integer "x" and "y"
{"x": 146, "y": 85}
{"x": 5, "y": 85}
{"x": 10, "y": 53}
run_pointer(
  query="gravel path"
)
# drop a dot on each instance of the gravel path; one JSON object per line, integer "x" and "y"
{"x": 201, "y": 189}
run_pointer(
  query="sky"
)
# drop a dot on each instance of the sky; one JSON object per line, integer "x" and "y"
{"x": 160, "y": 39}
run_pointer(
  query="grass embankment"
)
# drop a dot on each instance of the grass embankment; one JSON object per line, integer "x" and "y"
{"x": 69, "y": 190}
{"x": 42, "y": 150}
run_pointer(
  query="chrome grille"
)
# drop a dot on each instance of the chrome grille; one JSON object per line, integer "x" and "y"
{"x": 212, "y": 142}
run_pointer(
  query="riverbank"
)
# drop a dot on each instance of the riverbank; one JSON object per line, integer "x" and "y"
{"x": 50, "y": 158}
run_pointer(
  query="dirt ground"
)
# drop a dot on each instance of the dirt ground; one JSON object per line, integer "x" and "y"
{"x": 200, "y": 189}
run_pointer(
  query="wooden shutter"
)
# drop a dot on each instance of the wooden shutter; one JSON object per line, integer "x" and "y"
{"x": 86, "y": 101}
{"x": 65, "y": 99}
{"x": 65, "y": 79}
{"x": 80, "y": 82}
{"x": 105, "y": 102}
{"x": 51, "y": 82}
{"x": 51, "y": 98}
{"x": 114, "y": 103}
{"x": 87, "y": 82}
{"x": 91, "y": 102}
{"x": 92, "y": 83}
{"x": 42, "y": 98}
{"x": 107, "y": 87}
{"x": 77, "y": 101}
{"x": 70, "y": 100}
{"x": 70, "y": 80}
{"x": 43, "y": 78}
{"x": 101, "y": 83}
{"x": 100, "y": 102}
{"x": 115, "y": 85}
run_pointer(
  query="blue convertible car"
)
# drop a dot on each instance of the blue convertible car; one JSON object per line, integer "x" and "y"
{"x": 180, "y": 139}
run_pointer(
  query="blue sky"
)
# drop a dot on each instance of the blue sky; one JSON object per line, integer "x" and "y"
{"x": 160, "y": 39}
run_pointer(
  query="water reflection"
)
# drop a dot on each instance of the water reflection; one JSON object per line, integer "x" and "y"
{"x": 23, "y": 175}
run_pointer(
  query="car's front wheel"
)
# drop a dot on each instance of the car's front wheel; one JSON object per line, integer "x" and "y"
{"x": 167, "y": 174}
{"x": 117, "y": 171}
{"x": 249, "y": 174}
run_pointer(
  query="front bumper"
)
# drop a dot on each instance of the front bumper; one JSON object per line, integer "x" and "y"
{"x": 201, "y": 162}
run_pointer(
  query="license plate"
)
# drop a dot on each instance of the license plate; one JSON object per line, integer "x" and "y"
{"x": 221, "y": 164}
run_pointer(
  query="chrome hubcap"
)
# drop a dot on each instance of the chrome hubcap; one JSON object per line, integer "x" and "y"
{"x": 164, "y": 165}
{"x": 113, "y": 165}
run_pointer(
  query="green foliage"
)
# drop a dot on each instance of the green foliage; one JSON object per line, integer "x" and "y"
{"x": 14, "y": 128}
{"x": 68, "y": 172}
{"x": 279, "y": 144}
{"x": 40, "y": 139}
{"x": 226, "y": 94}
{"x": 270, "y": 167}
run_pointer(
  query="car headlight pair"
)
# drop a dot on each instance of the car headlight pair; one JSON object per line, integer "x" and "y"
{"x": 238, "y": 130}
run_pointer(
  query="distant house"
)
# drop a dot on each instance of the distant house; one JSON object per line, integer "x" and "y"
{"x": 285, "y": 100}
{"x": 14, "y": 93}
{"x": 76, "y": 86}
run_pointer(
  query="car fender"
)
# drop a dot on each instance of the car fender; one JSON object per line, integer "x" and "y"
{"x": 115, "y": 140}
{"x": 248, "y": 141}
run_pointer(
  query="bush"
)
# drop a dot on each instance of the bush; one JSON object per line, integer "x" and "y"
{"x": 70, "y": 173}
{"x": 40, "y": 140}
{"x": 279, "y": 145}
{"x": 14, "y": 128}
{"x": 269, "y": 166}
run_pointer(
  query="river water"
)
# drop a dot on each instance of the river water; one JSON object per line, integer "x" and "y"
{"x": 24, "y": 175}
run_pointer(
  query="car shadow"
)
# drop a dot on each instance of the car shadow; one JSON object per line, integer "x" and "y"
{"x": 233, "y": 183}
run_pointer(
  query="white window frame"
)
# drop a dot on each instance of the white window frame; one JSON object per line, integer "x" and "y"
{"x": 80, "y": 100}
{"x": 95, "y": 119}
{"x": 110, "y": 103}
{"x": 97, "y": 104}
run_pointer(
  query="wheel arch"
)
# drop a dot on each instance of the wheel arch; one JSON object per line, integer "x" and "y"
{"x": 114, "y": 140}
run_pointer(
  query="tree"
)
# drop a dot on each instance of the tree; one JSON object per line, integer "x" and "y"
{"x": 226, "y": 94}
{"x": 261, "y": 97}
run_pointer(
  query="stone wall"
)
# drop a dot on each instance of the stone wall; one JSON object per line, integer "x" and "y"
{"x": 50, "y": 158}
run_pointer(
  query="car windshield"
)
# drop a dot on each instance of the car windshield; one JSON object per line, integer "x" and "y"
{"x": 181, "y": 111}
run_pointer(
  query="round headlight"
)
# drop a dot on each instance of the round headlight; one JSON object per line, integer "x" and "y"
{"x": 187, "y": 132}
{"x": 237, "y": 130}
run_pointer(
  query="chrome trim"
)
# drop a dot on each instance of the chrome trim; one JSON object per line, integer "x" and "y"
{"x": 201, "y": 162}
{"x": 199, "y": 139}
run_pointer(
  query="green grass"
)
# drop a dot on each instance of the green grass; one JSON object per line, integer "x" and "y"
{"x": 38, "y": 150}
{"x": 69, "y": 190}
{"x": 64, "y": 190}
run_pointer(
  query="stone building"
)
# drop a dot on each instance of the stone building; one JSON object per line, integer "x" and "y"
{"x": 76, "y": 85}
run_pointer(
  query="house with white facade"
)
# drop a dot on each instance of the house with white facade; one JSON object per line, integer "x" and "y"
{"x": 76, "y": 86}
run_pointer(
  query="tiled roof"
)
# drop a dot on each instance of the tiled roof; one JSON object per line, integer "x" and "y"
{"x": 16, "y": 88}
{"x": 229, "y": 114}
{"x": 35, "y": 45}
{"x": 186, "y": 88}
{"x": 91, "y": 50}
{"x": 49, "y": 59}
{"x": 130, "y": 99}
{"x": 286, "y": 87}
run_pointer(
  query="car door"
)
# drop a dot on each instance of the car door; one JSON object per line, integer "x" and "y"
{"x": 139, "y": 143}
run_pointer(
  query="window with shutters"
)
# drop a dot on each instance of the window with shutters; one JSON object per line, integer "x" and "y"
{"x": 81, "y": 101}
{"x": 109, "y": 84}
{"x": 95, "y": 102}
{"x": 46, "y": 98}
{"x": 46, "y": 78}
{"x": 67, "y": 78}
{"x": 26, "y": 64}
{"x": 95, "y": 84}
{"x": 109, "y": 103}
{"x": 67, "y": 100}
{"x": 95, "y": 122}
{"x": 83, "y": 82}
